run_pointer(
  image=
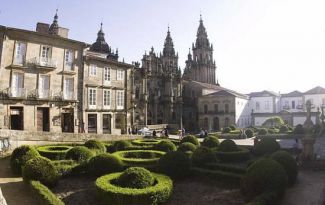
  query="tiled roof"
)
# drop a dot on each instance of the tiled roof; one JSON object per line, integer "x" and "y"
{"x": 316, "y": 90}
{"x": 264, "y": 93}
{"x": 295, "y": 93}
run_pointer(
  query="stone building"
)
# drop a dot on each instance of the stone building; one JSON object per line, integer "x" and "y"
{"x": 107, "y": 89}
{"x": 39, "y": 78}
{"x": 157, "y": 90}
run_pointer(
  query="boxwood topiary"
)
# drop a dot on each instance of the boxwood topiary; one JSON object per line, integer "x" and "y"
{"x": 110, "y": 192}
{"x": 122, "y": 145}
{"x": 226, "y": 130}
{"x": 20, "y": 156}
{"x": 190, "y": 138}
{"x": 232, "y": 127}
{"x": 249, "y": 133}
{"x": 289, "y": 164}
{"x": 175, "y": 164}
{"x": 241, "y": 154}
{"x": 145, "y": 142}
{"x": 54, "y": 152}
{"x": 136, "y": 177}
{"x": 104, "y": 164}
{"x": 299, "y": 129}
{"x": 227, "y": 146}
{"x": 210, "y": 142}
{"x": 283, "y": 129}
{"x": 264, "y": 175}
{"x": 165, "y": 146}
{"x": 79, "y": 153}
{"x": 186, "y": 146}
{"x": 140, "y": 157}
{"x": 41, "y": 169}
{"x": 262, "y": 131}
{"x": 203, "y": 155}
{"x": 266, "y": 146}
{"x": 96, "y": 146}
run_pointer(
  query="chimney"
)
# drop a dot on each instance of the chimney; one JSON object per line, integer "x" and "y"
{"x": 42, "y": 27}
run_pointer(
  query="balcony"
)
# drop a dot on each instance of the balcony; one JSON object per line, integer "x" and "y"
{"x": 68, "y": 95}
{"x": 44, "y": 94}
{"x": 48, "y": 63}
{"x": 65, "y": 96}
{"x": 19, "y": 61}
{"x": 18, "y": 93}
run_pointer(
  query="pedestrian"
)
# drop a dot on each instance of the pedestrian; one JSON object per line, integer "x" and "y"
{"x": 136, "y": 130}
{"x": 129, "y": 130}
{"x": 154, "y": 133}
{"x": 205, "y": 133}
{"x": 202, "y": 133}
{"x": 166, "y": 132}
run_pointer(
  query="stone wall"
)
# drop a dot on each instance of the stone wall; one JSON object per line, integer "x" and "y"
{"x": 18, "y": 138}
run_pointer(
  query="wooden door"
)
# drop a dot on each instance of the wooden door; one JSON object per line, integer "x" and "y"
{"x": 39, "y": 119}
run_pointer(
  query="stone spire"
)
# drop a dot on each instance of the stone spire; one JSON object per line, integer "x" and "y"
{"x": 189, "y": 56}
{"x": 202, "y": 40}
{"x": 168, "y": 45}
{"x": 54, "y": 28}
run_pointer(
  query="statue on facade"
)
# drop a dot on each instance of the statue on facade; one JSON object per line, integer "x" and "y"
{"x": 309, "y": 140}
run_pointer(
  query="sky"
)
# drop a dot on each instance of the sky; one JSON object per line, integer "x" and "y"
{"x": 276, "y": 45}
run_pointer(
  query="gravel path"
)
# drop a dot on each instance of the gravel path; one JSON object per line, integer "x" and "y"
{"x": 15, "y": 191}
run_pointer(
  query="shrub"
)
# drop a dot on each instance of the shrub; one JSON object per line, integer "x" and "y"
{"x": 111, "y": 193}
{"x": 186, "y": 146}
{"x": 139, "y": 157}
{"x": 54, "y": 152}
{"x": 203, "y": 155}
{"x": 226, "y": 130}
{"x": 284, "y": 129}
{"x": 265, "y": 175}
{"x": 262, "y": 131}
{"x": 289, "y": 164}
{"x": 96, "y": 146}
{"x": 104, "y": 164}
{"x": 122, "y": 145}
{"x": 79, "y": 154}
{"x": 249, "y": 133}
{"x": 227, "y": 146}
{"x": 20, "y": 156}
{"x": 210, "y": 142}
{"x": 41, "y": 169}
{"x": 166, "y": 146}
{"x": 266, "y": 146}
{"x": 299, "y": 129}
{"x": 110, "y": 148}
{"x": 175, "y": 164}
{"x": 232, "y": 127}
{"x": 64, "y": 167}
{"x": 136, "y": 177}
{"x": 146, "y": 142}
{"x": 190, "y": 138}
{"x": 43, "y": 194}
{"x": 241, "y": 154}
{"x": 273, "y": 122}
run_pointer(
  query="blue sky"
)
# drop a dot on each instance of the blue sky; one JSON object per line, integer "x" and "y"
{"x": 276, "y": 45}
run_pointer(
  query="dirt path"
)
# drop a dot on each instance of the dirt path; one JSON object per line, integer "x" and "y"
{"x": 15, "y": 191}
{"x": 309, "y": 190}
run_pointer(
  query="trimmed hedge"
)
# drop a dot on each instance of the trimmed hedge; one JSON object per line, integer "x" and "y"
{"x": 136, "y": 177}
{"x": 64, "y": 167}
{"x": 232, "y": 127}
{"x": 43, "y": 194}
{"x": 190, "y": 138}
{"x": 110, "y": 193}
{"x": 210, "y": 142}
{"x": 147, "y": 142}
{"x": 104, "y": 164}
{"x": 20, "y": 156}
{"x": 249, "y": 133}
{"x": 139, "y": 157}
{"x": 289, "y": 164}
{"x": 227, "y": 146}
{"x": 266, "y": 146}
{"x": 54, "y": 152}
{"x": 266, "y": 198}
{"x": 264, "y": 175}
{"x": 42, "y": 169}
{"x": 262, "y": 131}
{"x": 186, "y": 146}
{"x": 122, "y": 145}
{"x": 80, "y": 154}
{"x": 283, "y": 129}
{"x": 165, "y": 146}
{"x": 175, "y": 164}
{"x": 226, "y": 168}
{"x": 241, "y": 154}
{"x": 226, "y": 130}
{"x": 224, "y": 176}
{"x": 96, "y": 146}
{"x": 203, "y": 155}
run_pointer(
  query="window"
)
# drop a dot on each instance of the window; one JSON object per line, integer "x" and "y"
{"x": 68, "y": 60}
{"x": 92, "y": 97}
{"x": 293, "y": 104}
{"x": 267, "y": 105}
{"x": 92, "y": 123}
{"x": 205, "y": 109}
{"x": 44, "y": 86}
{"x": 120, "y": 75}
{"x": 20, "y": 53}
{"x": 68, "y": 89}
{"x": 17, "y": 85}
{"x": 46, "y": 52}
{"x": 107, "y": 98}
{"x": 257, "y": 105}
{"x": 107, "y": 74}
{"x": 216, "y": 108}
{"x": 92, "y": 70}
{"x": 120, "y": 99}
{"x": 226, "y": 108}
